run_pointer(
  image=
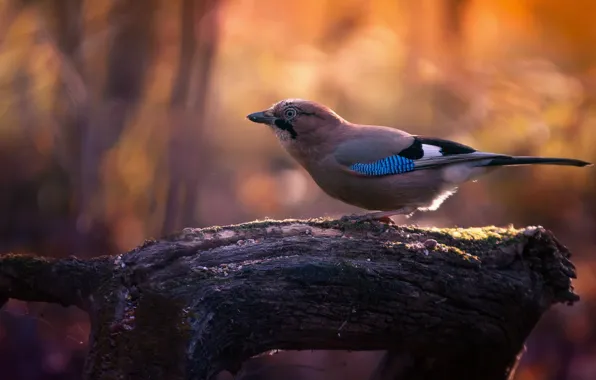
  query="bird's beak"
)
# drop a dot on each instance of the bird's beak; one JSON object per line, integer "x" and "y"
{"x": 262, "y": 117}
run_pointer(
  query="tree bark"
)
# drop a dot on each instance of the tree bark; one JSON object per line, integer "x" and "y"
{"x": 454, "y": 303}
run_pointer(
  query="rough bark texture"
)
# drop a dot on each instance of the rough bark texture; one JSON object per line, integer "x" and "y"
{"x": 451, "y": 303}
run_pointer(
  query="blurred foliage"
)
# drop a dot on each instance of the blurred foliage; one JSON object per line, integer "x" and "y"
{"x": 124, "y": 120}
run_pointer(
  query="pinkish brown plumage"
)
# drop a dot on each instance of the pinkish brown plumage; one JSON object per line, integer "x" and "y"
{"x": 376, "y": 167}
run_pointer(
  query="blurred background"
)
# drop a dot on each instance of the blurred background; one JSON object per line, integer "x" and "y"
{"x": 123, "y": 120}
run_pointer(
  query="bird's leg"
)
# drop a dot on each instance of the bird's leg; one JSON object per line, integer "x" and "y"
{"x": 381, "y": 216}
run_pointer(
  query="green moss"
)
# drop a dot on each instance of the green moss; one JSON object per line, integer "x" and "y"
{"x": 322, "y": 222}
{"x": 455, "y": 250}
{"x": 255, "y": 224}
{"x": 348, "y": 225}
{"x": 490, "y": 233}
{"x": 474, "y": 241}
{"x": 460, "y": 241}
{"x": 420, "y": 247}
{"x": 261, "y": 224}
{"x": 24, "y": 263}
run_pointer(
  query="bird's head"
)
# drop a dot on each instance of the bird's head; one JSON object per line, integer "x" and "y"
{"x": 295, "y": 119}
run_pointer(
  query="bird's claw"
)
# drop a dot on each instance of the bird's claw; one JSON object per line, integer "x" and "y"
{"x": 386, "y": 220}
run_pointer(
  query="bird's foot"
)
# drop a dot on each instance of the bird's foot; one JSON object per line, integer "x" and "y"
{"x": 386, "y": 220}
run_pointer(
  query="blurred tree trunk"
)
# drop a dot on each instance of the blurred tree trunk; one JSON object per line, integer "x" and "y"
{"x": 130, "y": 54}
{"x": 8, "y": 15}
{"x": 187, "y": 156}
{"x": 341, "y": 26}
{"x": 453, "y": 16}
{"x": 441, "y": 41}
{"x": 71, "y": 105}
{"x": 414, "y": 41}
{"x": 27, "y": 113}
{"x": 451, "y": 37}
{"x": 65, "y": 34}
{"x": 450, "y": 98}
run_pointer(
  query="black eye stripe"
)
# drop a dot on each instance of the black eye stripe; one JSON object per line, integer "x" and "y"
{"x": 286, "y": 126}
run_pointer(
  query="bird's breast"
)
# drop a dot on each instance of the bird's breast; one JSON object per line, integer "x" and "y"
{"x": 418, "y": 189}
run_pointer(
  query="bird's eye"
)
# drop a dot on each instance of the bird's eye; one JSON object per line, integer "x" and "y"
{"x": 290, "y": 113}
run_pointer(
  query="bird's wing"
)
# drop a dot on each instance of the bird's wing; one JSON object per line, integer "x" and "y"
{"x": 379, "y": 156}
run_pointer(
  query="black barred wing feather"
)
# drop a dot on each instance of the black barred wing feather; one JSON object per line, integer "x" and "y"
{"x": 423, "y": 153}
{"x": 395, "y": 164}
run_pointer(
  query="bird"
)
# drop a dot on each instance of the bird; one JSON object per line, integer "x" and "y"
{"x": 383, "y": 170}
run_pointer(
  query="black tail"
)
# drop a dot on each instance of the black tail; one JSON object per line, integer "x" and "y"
{"x": 529, "y": 160}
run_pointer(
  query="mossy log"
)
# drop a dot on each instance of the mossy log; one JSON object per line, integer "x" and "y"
{"x": 457, "y": 303}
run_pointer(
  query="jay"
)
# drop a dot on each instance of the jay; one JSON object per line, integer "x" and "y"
{"x": 379, "y": 168}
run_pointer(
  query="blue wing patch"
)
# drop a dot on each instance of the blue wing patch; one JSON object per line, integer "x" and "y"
{"x": 385, "y": 166}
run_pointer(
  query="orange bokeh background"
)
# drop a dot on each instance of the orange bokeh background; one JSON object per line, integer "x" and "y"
{"x": 121, "y": 121}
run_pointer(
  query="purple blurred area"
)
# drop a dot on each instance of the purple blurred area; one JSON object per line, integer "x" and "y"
{"x": 125, "y": 120}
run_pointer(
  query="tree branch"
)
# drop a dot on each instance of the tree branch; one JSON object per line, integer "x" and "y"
{"x": 456, "y": 303}
{"x": 68, "y": 282}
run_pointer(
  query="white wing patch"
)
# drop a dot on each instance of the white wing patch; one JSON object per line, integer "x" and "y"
{"x": 431, "y": 150}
